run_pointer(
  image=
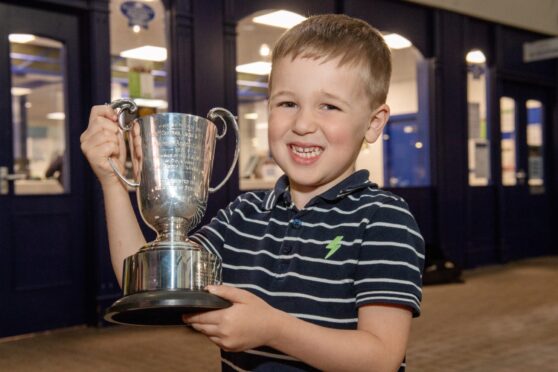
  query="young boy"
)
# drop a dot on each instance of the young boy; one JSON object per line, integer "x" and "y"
{"x": 324, "y": 271}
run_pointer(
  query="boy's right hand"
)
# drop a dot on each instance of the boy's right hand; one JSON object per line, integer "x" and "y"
{"x": 102, "y": 139}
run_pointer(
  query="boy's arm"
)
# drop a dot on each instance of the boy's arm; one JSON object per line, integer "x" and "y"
{"x": 100, "y": 141}
{"x": 124, "y": 233}
{"x": 378, "y": 344}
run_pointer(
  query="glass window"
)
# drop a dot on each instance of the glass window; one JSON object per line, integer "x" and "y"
{"x": 508, "y": 140}
{"x": 39, "y": 115}
{"x": 535, "y": 125}
{"x": 139, "y": 53}
{"x": 478, "y": 137}
{"x": 400, "y": 158}
{"x": 254, "y": 43}
{"x": 406, "y": 135}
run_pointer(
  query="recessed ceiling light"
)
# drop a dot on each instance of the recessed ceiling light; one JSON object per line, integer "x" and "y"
{"x": 475, "y": 56}
{"x": 264, "y": 50}
{"x": 146, "y": 53}
{"x": 280, "y": 18}
{"x": 21, "y": 38}
{"x": 396, "y": 41}
{"x": 256, "y": 68}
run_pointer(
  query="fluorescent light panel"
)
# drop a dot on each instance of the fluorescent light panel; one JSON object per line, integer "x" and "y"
{"x": 56, "y": 116}
{"x": 146, "y": 53}
{"x": 280, "y": 18}
{"x": 21, "y": 38}
{"x": 255, "y": 68}
{"x": 147, "y": 102}
{"x": 17, "y": 91}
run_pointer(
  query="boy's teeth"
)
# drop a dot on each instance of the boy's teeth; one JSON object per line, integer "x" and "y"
{"x": 306, "y": 152}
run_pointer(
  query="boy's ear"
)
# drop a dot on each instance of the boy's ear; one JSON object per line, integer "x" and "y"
{"x": 378, "y": 120}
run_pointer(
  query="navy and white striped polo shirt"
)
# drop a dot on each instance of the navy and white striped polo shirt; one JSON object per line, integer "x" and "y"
{"x": 350, "y": 246}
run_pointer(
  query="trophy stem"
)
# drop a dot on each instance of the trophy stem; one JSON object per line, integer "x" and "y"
{"x": 172, "y": 230}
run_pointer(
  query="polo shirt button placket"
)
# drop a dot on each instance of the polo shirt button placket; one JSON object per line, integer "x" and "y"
{"x": 286, "y": 249}
{"x": 296, "y": 223}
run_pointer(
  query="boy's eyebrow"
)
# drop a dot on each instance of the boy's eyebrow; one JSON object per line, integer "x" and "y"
{"x": 281, "y": 93}
{"x": 335, "y": 97}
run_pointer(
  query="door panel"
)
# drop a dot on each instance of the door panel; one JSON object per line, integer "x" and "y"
{"x": 524, "y": 205}
{"x": 42, "y": 261}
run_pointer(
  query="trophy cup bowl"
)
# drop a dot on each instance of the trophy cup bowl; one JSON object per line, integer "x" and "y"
{"x": 172, "y": 158}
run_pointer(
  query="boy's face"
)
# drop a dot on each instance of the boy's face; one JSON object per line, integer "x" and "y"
{"x": 319, "y": 115}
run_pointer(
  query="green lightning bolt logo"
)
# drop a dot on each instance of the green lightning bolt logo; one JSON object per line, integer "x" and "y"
{"x": 334, "y": 246}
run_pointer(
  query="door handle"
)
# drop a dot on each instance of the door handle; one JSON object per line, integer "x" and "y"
{"x": 6, "y": 177}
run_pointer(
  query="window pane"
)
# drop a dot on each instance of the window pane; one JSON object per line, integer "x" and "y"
{"x": 254, "y": 42}
{"x": 39, "y": 115}
{"x": 138, "y": 54}
{"x": 508, "y": 145}
{"x": 400, "y": 157}
{"x": 535, "y": 125}
{"x": 478, "y": 142}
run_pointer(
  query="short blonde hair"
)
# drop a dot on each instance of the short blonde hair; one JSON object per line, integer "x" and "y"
{"x": 354, "y": 41}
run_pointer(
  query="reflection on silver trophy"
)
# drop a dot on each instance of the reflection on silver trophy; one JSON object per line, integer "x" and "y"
{"x": 172, "y": 158}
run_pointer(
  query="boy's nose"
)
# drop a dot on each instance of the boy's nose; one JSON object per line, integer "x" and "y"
{"x": 304, "y": 122}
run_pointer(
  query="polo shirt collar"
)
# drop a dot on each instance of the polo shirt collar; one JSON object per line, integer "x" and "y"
{"x": 355, "y": 181}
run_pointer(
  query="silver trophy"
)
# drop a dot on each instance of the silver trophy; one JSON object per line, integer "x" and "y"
{"x": 172, "y": 158}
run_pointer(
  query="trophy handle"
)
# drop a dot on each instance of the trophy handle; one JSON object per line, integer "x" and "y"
{"x": 126, "y": 110}
{"x": 226, "y": 117}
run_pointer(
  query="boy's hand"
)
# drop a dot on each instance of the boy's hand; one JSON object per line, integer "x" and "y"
{"x": 250, "y": 322}
{"x": 101, "y": 140}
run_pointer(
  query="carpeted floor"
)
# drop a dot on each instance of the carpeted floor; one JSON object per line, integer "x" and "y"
{"x": 503, "y": 318}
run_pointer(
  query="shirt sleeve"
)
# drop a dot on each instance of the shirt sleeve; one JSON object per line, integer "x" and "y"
{"x": 212, "y": 235}
{"x": 391, "y": 261}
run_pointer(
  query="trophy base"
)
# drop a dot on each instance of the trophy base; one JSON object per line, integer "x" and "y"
{"x": 162, "y": 307}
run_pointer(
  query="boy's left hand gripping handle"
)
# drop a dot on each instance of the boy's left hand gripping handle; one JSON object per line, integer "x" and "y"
{"x": 126, "y": 111}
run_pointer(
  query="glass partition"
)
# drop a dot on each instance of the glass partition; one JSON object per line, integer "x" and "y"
{"x": 39, "y": 115}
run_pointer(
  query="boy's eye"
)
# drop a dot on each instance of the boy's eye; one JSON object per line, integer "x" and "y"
{"x": 287, "y": 104}
{"x": 327, "y": 106}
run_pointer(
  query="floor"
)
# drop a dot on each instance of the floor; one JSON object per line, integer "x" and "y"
{"x": 503, "y": 318}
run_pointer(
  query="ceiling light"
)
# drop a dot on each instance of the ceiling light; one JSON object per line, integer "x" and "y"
{"x": 21, "y": 38}
{"x": 475, "y": 56}
{"x": 136, "y": 28}
{"x": 155, "y": 103}
{"x": 17, "y": 91}
{"x": 256, "y": 68}
{"x": 146, "y": 53}
{"x": 280, "y": 18}
{"x": 396, "y": 41}
{"x": 56, "y": 116}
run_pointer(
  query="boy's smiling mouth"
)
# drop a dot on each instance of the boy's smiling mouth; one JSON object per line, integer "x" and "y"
{"x": 305, "y": 154}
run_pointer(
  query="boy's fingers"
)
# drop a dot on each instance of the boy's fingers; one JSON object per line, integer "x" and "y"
{"x": 227, "y": 292}
{"x": 96, "y": 125}
{"x": 104, "y": 111}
